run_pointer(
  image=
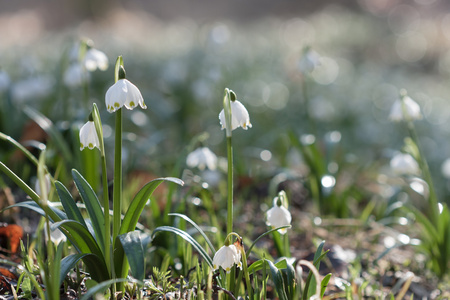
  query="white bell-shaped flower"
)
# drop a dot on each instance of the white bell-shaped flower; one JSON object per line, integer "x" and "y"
{"x": 226, "y": 257}
{"x": 405, "y": 109}
{"x": 278, "y": 215}
{"x": 239, "y": 116}
{"x": 403, "y": 163}
{"x": 75, "y": 75}
{"x": 89, "y": 136}
{"x": 95, "y": 59}
{"x": 202, "y": 158}
{"x": 123, "y": 93}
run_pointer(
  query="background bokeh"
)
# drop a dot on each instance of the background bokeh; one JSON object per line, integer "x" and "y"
{"x": 183, "y": 54}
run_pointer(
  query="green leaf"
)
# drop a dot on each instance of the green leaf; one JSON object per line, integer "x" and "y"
{"x": 187, "y": 238}
{"x": 93, "y": 207}
{"x": 85, "y": 243}
{"x": 324, "y": 284}
{"x": 68, "y": 262}
{"x": 184, "y": 217}
{"x": 132, "y": 245}
{"x": 101, "y": 287}
{"x": 70, "y": 207}
{"x": 277, "y": 279}
{"x": 35, "y": 207}
{"x": 137, "y": 205}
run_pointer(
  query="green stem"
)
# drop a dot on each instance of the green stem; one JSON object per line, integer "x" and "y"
{"x": 117, "y": 190}
{"x": 107, "y": 252}
{"x": 287, "y": 252}
{"x": 230, "y": 186}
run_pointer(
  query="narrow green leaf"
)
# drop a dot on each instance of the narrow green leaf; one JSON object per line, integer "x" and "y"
{"x": 262, "y": 235}
{"x": 187, "y": 238}
{"x": 277, "y": 279}
{"x": 35, "y": 207}
{"x": 184, "y": 217}
{"x": 101, "y": 287}
{"x": 85, "y": 243}
{"x": 132, "y": 245}
{"x": 68, "y": 263}
{"x": 70, "y": 206}
{"x": 93, "y": 207}
{"x": 137, "y": 205}
{"x": 324, "y": 284}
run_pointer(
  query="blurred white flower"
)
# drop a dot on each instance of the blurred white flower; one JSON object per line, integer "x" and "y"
{"x": 32, "y": 88}
{"x": 403, "y": 163}
{"x": 55, "y": 235}
{"x": 123, "y": 93}
{"x": 95, "y": 59}
{"x": 202, "y": 157}
{"x": 226, "y": 257}
{"x": 239, "y": 116}
{"x": 89, "y": 136}
{"x": 5, "y": 81}
{"x": 37, "y": 187}
{"x": 309, "y": 61}
{"x": 278, "y": 215}
{"x": 75, "y": 75}
{"x": 405, "y": 109}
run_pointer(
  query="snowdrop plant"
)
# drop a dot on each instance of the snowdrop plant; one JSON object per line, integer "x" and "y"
{"x": 278, "y": 215}
{"x": 232, "y": 116}
{"x": 436, "y": 220}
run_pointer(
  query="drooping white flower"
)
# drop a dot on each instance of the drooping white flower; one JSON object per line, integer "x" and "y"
{"x": 405, "y": 109}
{"x": 123, "y": 93}
{"x": 89, "y": 136}
{"x": 278, "y": 215}
{"x": 226, "y": 257}
{"x": 202, "y": 157}
{"x": 403, "y": 163}
{"x": 239, "y": 116}
{"x": 75, "y": 75}
{"x": 95, "y": 59}
{"x": 56, "y": 235}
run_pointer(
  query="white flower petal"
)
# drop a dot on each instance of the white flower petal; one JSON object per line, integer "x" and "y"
{"x": 279, "y": 216}
{"x": 201, "y": 158}
{"x": 226, "y": 257}
{"x": 403, "y": 163}
{"x": 239, "y": 116}
{"x": 88, "y": 136}
{"x": 405, "y": 109}
{"x": 95, "y": 59}
{"x": 123, "y": 93}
